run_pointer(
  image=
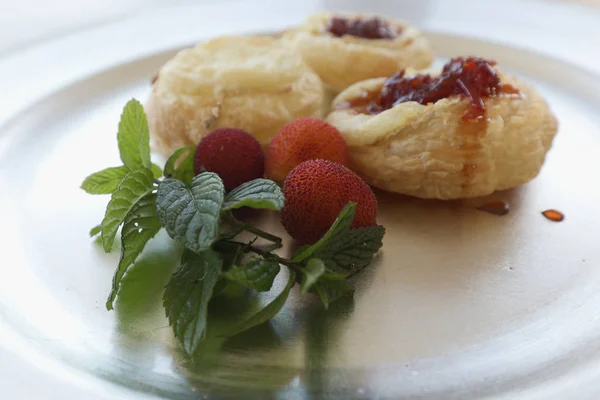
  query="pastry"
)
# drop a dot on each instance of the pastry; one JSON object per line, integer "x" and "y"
{"x": 251, "y": 83}
{"x": 347, "y": 48}
{"x": 466, "y": 132}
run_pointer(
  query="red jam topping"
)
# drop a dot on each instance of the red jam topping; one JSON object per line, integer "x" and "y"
{"x": 373, "y": 28}
{"x": 474, "y": 78}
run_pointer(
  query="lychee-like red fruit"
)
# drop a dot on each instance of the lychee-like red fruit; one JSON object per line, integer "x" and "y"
{"x": 315, "y": 193}
{"x": 233, "y": 154}
{"x": 302, "y": 140}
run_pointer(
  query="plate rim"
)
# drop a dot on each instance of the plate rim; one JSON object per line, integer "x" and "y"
{"x": 59, "y": 78}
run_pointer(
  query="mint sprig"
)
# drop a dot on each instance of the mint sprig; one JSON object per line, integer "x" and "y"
{"x": 344, "y": 250}
{"x": 196, "y": 212}
{"x": 105, "y": 181}
{"x": 259, "y": 193}
{"x": 314, "y": 269}
{"x": 256, "y": 273}
{"x": 140, "y": 225}
{"x": 135, "y": 186}
{"x": 180, "y": 165}
{"x": 191, "y": 215}
{"x": 332, "y": 290}
{"x": 187, "y": 295}
{"x": 269, "y": 311}
{"x": 133, "y": 136}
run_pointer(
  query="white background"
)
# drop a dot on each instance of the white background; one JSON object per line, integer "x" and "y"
{"x": 23, "y": 22}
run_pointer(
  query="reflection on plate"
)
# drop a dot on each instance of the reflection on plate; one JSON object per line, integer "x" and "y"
{"x": 460, "y": 302}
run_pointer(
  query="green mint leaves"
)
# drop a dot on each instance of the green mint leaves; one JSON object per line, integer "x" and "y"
{"x": 268, "y": 312}
{"x": 345, "y": 250}
{"x": 133, "y": 137}
{"x": 140, "y": 225}
{"x": 196, "y": 212}
{"x": 187, "y": 295}
{"x": 332, "y": 290}
{"x": 105, "y": 181}
{"x": 181, "y": 165}
{"x": 257, "y": 274}
{"x": 191, "y": 215}
{"x": 136, "y": 185}
{"x": 341, "y": 252}
{"x": 314, "y": 269}
{"x": 259, "y": 193}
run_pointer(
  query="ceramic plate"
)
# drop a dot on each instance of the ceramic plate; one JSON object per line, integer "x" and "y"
{"x": 460, "y": 303}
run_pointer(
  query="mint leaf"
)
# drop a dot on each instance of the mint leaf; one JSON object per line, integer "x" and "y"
{"x": 256, "y": 274}
{"x": 345, "y": 250}
{"x": 258, "y": 193}
{"x": 330, "y": 291}
{"x": 133, "y": 136}
{"x": 141, "y": 224}
{"x": 353, "y": 251}
{"x": 187, "y": 295}
{"x": 105, "y": 181}
{"x": 191, "y": 214}
{"x": 133, "y": 187}
{"x": 339, "y": 227}
{"x": 268, "y": 312}
{"x": 181, "y": 164}
{"x": 156, "y": 171}
{"x": 314, "y": 269}
{"x": 95, "y": 230}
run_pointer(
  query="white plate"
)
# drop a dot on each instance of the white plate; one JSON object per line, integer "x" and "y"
{"x": 496, "y": 307}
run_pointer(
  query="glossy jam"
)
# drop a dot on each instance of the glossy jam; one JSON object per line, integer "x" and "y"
{"x": 372, "y": 28}
{"x": 473, "y": 78}
{"x": 496, "y": 207}
{"x": 553, "y": 215}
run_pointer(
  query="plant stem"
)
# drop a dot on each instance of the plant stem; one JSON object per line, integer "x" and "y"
{"x": 254, "y": 230}
{"x": 265, "y": 253}
{"x": 273, "y": 247}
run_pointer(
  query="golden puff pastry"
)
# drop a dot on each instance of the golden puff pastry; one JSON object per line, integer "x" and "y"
{"x": 251, "y": 83}
{"x": 441, "y": 149}
{"x": 347, "y": 48}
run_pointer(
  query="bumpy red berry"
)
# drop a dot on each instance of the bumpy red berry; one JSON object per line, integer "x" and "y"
{"x": 301, "y": 140}
{"x": 316, "y": 191}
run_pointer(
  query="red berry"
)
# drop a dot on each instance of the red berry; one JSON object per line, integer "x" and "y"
{"x": 233, "y": 154}
{"x": 302, "y": 140}
{"x": 315, "y": 193}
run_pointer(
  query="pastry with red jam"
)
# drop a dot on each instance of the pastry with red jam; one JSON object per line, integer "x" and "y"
{"x": 347, "y": 48}
{"x": 466, "y": 131}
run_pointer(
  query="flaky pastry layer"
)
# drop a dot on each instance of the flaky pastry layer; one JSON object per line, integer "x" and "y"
{"x": 342, "y": 61}
{"x": 430, "y": 151}
{"x": 251, "y": 83}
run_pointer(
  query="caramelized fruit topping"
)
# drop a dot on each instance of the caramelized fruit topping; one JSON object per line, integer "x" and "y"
{"x": 473, "y": 78}
{"x": 372, "y": 28}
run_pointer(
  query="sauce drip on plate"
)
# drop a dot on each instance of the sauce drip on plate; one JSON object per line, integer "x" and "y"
{"x": 553, "y": 215}
{"x": 496, "y": 207}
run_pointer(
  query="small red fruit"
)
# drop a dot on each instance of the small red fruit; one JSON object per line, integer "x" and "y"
{"x": 315, "y": 193}
{"x": 301, "y": 140}
{"x": 233, "y": 154}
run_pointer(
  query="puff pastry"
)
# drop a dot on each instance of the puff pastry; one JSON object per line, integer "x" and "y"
{"x": 251, "y": 83}
{"x": 347, "y": 48}
{"x": 438, "y": 149}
